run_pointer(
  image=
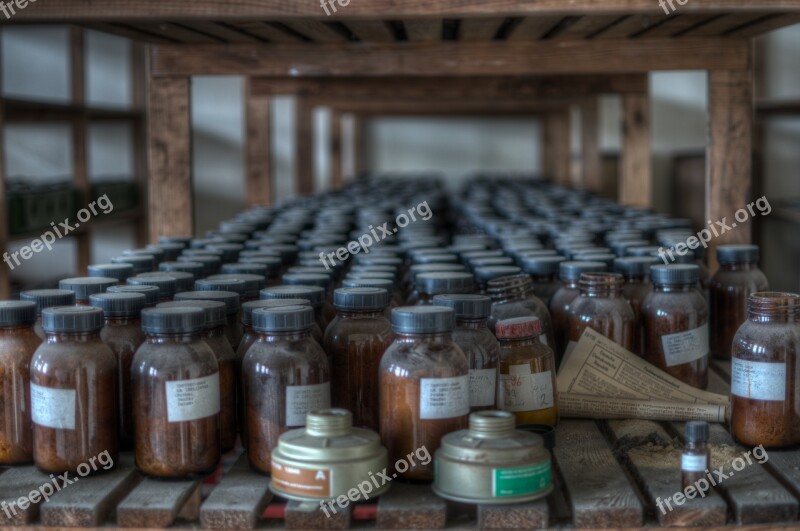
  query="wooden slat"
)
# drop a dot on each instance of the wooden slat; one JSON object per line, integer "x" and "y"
{"x": 532, "y": 515}
{"x": 556, "y": 156}
{"x": 451, "y": 58}
{"x": 304, "y": 147}
{"x": 590, "y": 145}
{"x": 89, "y": 502}
{"x": 5, "y": 274}
{"x": 766, "y": 25}
{"x": 80, "y": 148}
{"x": 315, "y": 30}
{"x": 170, "y": 155}
{"x": 729, "y": 154}
{"x": 630, "y": 26}
{"x": 675, "y": 24}
{"x": 371, "y": 30}
{"x": 586, "y": 26}
{"x": 722, "y": 25}
{"x": 424, "y": 30}
{"x": 308, "y": 515}
{"x": 16, "y": 483}
{"x": 154, "y": 504}
{"x": 139, "y": 101}
{"x": 388, "y": 107}
{"x": 478, "y": 29}
{"x": 335, "y": 150}
{"x": 533, "y": 28}
{"x": 411, "y": 507}
{"x": 258, "y": 183}
{"x": 600, "y": 493}
{"x": 656, "y": 465}
{"x": 222, "y": 32}
{"x": 126, "y": 31}
{"x": 174, "y": 31}
{"x": 266, "y": 31}
{"x": 238, "y": 500}
{"x": 360, "y": 166}
{"x": 636, "y": 172}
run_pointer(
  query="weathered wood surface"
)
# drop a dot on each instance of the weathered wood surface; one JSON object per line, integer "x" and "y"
{"x": 154, "y": 504}
{"x": 238, "y": 500}
{"x": 411, "y": 507}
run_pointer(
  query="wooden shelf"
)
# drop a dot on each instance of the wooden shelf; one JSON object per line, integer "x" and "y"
{"x": 778, "y": 107}
{"x": 18, "y": 110}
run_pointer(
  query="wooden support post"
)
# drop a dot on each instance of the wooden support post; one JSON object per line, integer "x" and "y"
{"x": 335, "y": 146}
{"x": 728, "y": 176}
{"x": 590, "y": 149}
{"x": 80, "y": 131}
{"x": 139, "y": 100}
{"x": 636, "y": 170}
{"x": 5, "y": 272}
{"x": 360, "y": 165}
{"x": 304, "y": 147}
{"x": 169, "y": 123}
{"x": 556, "y": 156}
{"x": 258, "y": 184}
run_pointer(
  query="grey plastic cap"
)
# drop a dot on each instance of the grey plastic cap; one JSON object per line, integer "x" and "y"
{"x": 314, "y": 294}
{"x": 737, "y": 254}
{"x": 490, "y": 261}
{"x": 155, "y": 252}
{"x": 184, "y": 281}
{"x": 119, "y": 304}
{"x": 423, "y": 319}
{"x": 436, "y": 283}
{"x": 634, "y": 266}
{"x": 542, "y": 265}
{"x": 142, "y": 263}
{"x": 283, "y": 319}
{"x": 696, "y": 431}
{"x": 117, "y": 271}
{"x": 150, "y": 293}
{"x": 171, "y": 250}
{"x": 240, "y": 268}
{"x": 214, "y": 310}
{"x": 72, "y": 319}
{"x": 307, "y": 279}
{"x": 383, "y": 283}
{"x": 371, "y": 275}
{"x": 252, "y": 283}
{"x": 230, "y": 298}
{"x": 184, "y": 240}
{"x": 166, "y": 285}
{"x": 467, "y": 305}
{"x": 287, "y": 252}
{"x": 441, "y": 258}
{"x": 646, "y": 250}
{"x": 675, "y": 275}
{"x": 485, "y": 274}
{"x": 574, "y": 270}
{"x": 249, "y": 307}
{"x": 360, "y": 298}
{"x": 195, "y": 268}
{"x": 47, "y": 298}
{"x": 272, "y": 263}
{"x": 176, "y": 320}
{"x": 234, "y": 285}
{"x": 17, "y": 313}
{"x": 85, "y": 286}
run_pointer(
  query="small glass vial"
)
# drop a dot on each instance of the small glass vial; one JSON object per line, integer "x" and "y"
{"x": 765, "y": 372}
{"x": 355, "y": 341}
{"x": 120, "y": 272}
{"x": 285, "y": 374}
{"x": 47, "y": 298}
{"x": 176, "y": 396}
{"x": 569, "y": 273}
{"x": 227, "y": 362}
{"x": 234, "y": 330}
{"x": 83, "y": 287}
{"x": 151, "y": 293}
{"x": 543, "y": 271}
{"x": 18, "y": 342}
{"x": 479, "y": 344}
{"x": 696, "y": 455}
{"x": 122, "y": 332}
{"x": 513, "y": 297}
{"x": 675, "y": 321}
{"x": 527, "y": 380}
{"x": 167, "y": 285}
{"x": 636, "y": 272}
{"x": 73, "y": 391}
{"x": 316, "y": 279}
{"x": 601, "y": 307}
{"x": 737, "y": 278}
{"x": 424, "y": 385}
{"x": 431, "y": 284}
{"x": 315, "y": 296}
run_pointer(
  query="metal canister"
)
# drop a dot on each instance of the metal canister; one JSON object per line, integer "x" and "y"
{"x": 327, "y": 459}
{"x": 492, "y": 462}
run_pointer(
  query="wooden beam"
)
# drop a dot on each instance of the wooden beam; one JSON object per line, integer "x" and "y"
{"x": 170, "y": 156}
{"x": 611, "y": 56}
{"x": 556, "y": 156}
{"x": 636, "y": 171}
{"x": 139, "y": 98}
{"x": 304, "y": 146}
{"x": 360, "y": 166}
{"x": 80, "y": 133}
{"x": 437, "y": 107}
{"x": 590, "y": 146}
{"x": 5, "y": 272}
{"x": 258, "y": 183}
{"x": 335, "y": 149}
{"x": 423, "y": 30}
{"x": 728, "y": 177}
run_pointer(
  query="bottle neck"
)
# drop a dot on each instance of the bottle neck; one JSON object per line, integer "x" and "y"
{"x": 543, "y": 279}
{"x": 293, "y": 335}
{"x": 215, "y": 331}
{"x": 360, "y": 314}
{"x": 739, "y": 266}
{"x": 634, "y": 279}
{"x": 516, "y": 288}
{"x": 181, "y": 337}
{"x": 774, "y": 307}
{"x": 122, "y": 320}
{"x": 72, "y": 337}
{"x": 436, "y": 338}
{"x": 674, "y": 288}
{"x": 514, "y": 342}
{"x": 571, "y": 283}
{"x": 471, "y": 324}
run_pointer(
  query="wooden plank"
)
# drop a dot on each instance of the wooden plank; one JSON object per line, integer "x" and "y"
{"x": 531, "y": 515}
{"x": 89, "y": 502}
{"x": 636, "y": 171}
{"x": 239, "y": 499}
{"x": 556, "y": 155}
{"x": 765, "y": 25}
{"x": 258, "y": 183}
{"x": 655, "y": 463}
{"x": 434, "y": 106}
{"x": 314, "y": 30}
{"x": 5, "y": 274}
{"x": 154, "y": 504}
{"x": 335, "y": 150}
{"x": 729, "y": 159}
{"x": 590, "y": 145}
{"x": 423, "y": 30}
{"x": 304, "y": 147}
{"x": 411, "y": 507}
{"x": 139, "y": 101}
{"x": 266, "y": 31}
{"x": 371, "y": 30}
{"x": 675, "y": 24}
{"x": 123, "y": 30}
{"x": 630, "y": 26}
{"x": 533, "y": 28}
{"x": 175, "y": 32}
{"x": 309, "y": 515}
{"x": 221, "y": 31}
{"x": 599, "y": 491}
{"x": 720, "y": 26}
{"x": 360, "y": 146}
{"x": 479, "y": 29}
{"x": 15, "y": 485}
{"x": 80, "y": 147}
{"x": 170, "y": 158}
{"x": 451, "y": 58}
{"x": 587, "y": 26}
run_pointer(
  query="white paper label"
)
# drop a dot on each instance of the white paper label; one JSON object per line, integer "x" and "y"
{"x": 443, "y": 398}
{"x": 482, "y": 387}
{"x": 685, "y": 347}
{"x": 758, "y": 380}
{"x": 522, "y": 391}
{"x": 694, "y": 463}
{"x": 300, "y": 399}
{"x": 193, "y": 399}
{"x": 53, "y": 408}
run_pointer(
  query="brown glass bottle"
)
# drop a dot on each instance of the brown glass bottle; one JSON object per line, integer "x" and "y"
{"x": 513, "y": 297}
{"x": 176, "y": 396}
{"x": 316, "y": 279}
{"x": 409, "y": 283}
{"x": 313, "y": 294}
{"x": 355, "y": 341}
{"x": 544, "y": 272}
{"x": 636, "y": 272}
{"x": 527, "y": 380}
{"x": 234, "y": 330}
{"x": 424, "y": 385}
{"x": 737, "y": 278}
{"x": 83, "y": 287}
{"x": 696, "y": 455}
{"x": 285, "y": 375}
{"x": 675, "y": 319}
{"x": 123, "y": 334}
{"x": 18, "y": 342}
{"x": 395, "y": 298}
{"x": 431, "y": 284}
{"x": 601, "y": 307}
{"x": 73, "y": 391}
{"x": 47, "y": 298}
{"x": 765, "y": 373}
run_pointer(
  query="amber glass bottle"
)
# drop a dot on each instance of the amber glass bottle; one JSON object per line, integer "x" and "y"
{"x": 636, "y": 272}
{"x": 513, "y": 297}
{"x": 47, "y": 298}
{"x": 765, "y": 372}
{"x": 18, "y": 342}
{"x": 544, "y": 274}
{"x": 601, "y": 307}
{"x": 409, "y": 283}
{"x": 234, "y": 330}
{"x": 737, "y": 278}
{"x": 483, "y": 275}
{"x": 431, "y": 284}
{"x": 355, "y": 341}
{"x": 324, "y": 281}
{"x": 527, "y": 385}
{"x": 315, "y": 295}
{"x": 395, "y": 298}
{"x": 176, "y": 396}
{"x": 73, "y": 391}
{"x": 424, "y": 385}
{"x": 570, "y": 274}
